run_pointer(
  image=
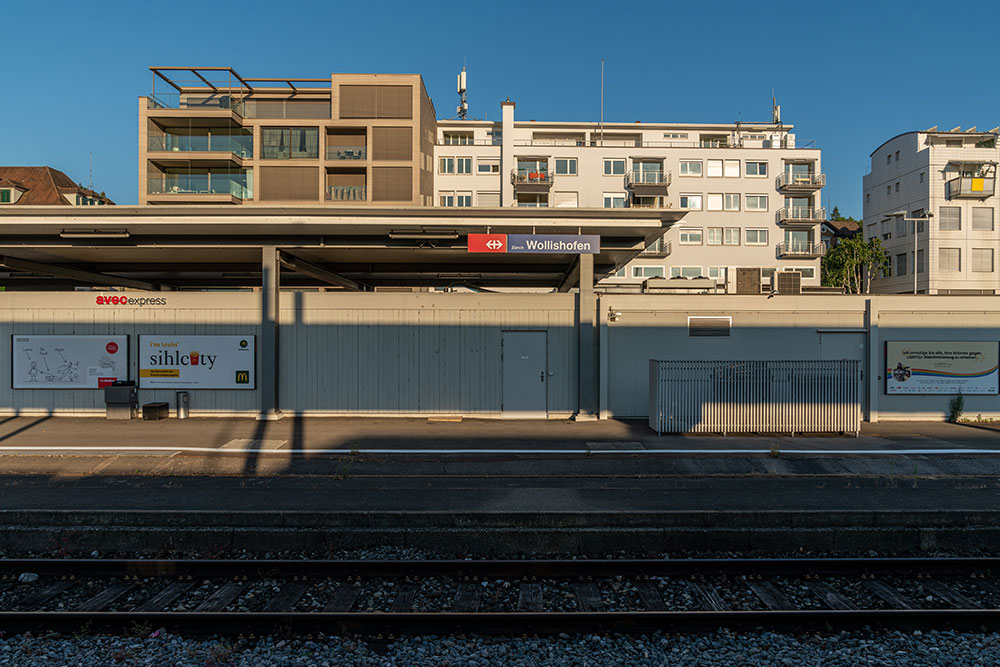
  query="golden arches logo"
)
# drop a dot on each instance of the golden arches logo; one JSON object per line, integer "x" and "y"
{"x": 242, "y": 377}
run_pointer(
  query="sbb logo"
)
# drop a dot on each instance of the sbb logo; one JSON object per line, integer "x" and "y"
{"x": 111, "y": 347}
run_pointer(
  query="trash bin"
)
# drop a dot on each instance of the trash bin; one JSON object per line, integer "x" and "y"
{"x": 183, "y": 404}
{"x": 121, "y": 400}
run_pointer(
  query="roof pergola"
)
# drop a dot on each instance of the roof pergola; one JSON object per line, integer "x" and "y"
{"x": 227, "y": 79}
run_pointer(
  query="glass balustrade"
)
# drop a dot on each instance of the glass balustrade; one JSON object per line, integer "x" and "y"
{"x": 237, "y": 144}
{"x": 346, "y": 153}
{"x": 345, "y": 193}
{"x": 235, "y": 184}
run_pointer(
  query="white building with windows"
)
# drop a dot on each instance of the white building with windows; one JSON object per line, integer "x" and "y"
{"x": 751, "y": 195}
{"x": 931, "y": 199}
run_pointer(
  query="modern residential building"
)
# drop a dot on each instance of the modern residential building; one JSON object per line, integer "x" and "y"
{"x": 44, "y": 186}
{"x": 947, "y": 179}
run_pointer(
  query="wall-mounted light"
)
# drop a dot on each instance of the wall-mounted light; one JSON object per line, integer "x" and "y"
{"x": 94, "y": 234}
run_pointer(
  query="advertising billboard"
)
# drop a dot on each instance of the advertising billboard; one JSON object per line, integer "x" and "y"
{"x": 197, "y": 362}
{"x": 68, "y": 362}
{"x": 941, "y": 367}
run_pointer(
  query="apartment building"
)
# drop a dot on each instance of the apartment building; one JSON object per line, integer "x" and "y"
{"x": 45, "y": 186}
{"x": 931, "y": 198}
{"x": 212, "y": 136}
{"x": 752, "y": 197}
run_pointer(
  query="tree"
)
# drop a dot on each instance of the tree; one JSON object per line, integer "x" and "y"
{"x": 838, "y": 217}
{"x": 853, "y": 263}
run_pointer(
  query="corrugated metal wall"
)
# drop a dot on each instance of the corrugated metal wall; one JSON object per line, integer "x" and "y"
{"x": 416, "y": 353}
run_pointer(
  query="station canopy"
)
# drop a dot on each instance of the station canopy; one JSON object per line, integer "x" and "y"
{"x": 204, "y": 247}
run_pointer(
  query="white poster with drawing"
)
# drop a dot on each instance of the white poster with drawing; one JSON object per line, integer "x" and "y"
{"x": 68, "y": 362}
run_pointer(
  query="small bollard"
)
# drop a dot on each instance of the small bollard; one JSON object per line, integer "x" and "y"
{"x": 183, "y": 404}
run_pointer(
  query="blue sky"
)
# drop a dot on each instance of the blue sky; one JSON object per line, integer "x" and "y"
{"x": 848, "y": 75}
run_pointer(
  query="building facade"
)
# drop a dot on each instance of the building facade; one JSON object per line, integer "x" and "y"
{"x": 949, "y": 180}
{"x": 45, "y": 186}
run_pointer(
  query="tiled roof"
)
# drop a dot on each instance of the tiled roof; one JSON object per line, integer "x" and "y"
{"x": 844, "y": 227}
{"x": 44, "y": 186}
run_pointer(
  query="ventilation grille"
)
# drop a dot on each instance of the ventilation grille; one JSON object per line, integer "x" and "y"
{"x": 788, "y": 282}
{"x": 748, "y": 280}
{"x": 699, "y": 327}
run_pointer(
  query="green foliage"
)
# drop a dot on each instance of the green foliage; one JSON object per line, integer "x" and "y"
{"x": 836, "y": 216}
{"x": 956, "y": 407}
{"x": 854, "y": 263}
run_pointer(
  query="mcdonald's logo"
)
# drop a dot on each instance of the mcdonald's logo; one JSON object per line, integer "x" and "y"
{"x": 242, "y": 377}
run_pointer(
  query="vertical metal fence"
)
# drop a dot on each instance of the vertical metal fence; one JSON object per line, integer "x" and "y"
{"x": 755, "y": 396}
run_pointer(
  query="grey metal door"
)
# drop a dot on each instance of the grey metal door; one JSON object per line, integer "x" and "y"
{"x": 524, "y": 378}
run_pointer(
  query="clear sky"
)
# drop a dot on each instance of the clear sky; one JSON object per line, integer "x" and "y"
{"x": 848, "y": 75}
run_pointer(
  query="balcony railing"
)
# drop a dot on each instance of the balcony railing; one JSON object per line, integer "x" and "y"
{"x": 652, "y": 179}
{"x": 800, "y": 214}
{"x": 802, "y": 249}
{"x": 199, "y": 184}
{"x": 658, "y": 248}
{"x": 191, "y": 101}
{"x": 800, "y": 182}
{"x": 346, "y": 153}
{"x": 520, "y": 177}
{"x": 971, "y": 187}
{"x": 241, "y": 146}
{"x": 345, "y": 193}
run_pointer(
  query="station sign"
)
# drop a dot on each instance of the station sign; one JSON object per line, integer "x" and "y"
{"x": 563, "y": 244}
{"x": 941, "y": 367}
{"x": 197, "y": 362}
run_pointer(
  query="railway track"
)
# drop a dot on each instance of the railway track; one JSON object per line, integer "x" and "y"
{"x": 486, "y": 596}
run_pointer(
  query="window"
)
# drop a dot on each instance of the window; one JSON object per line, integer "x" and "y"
{"x": 982, "y": 219}
{"x": 888, "y": 189}
{"x": 732, "y": 169}
{"x": 756, "y": 202}
{"x": 897, "y": 186}
{"x": 950, "y": 259}
{"x": 488, "y": 199}
{"x": 566, "y": 166}
{"x": 458, "y": 138}
{"x": 620, "y": 273}
{"x": 647, "y": 271}
{"x": 717, "y": 272}
{"x": 868, "y": 197}
{"x": 888, "y": 158}
{"x": 4, "y": 196}
{"x": 921, "y": 177}
{"x": 488, "y": 166}
{"x": 766, "y": 272}
{"x": 806, "y": 271}
{"x": 690, "y": 236}
{"x": 463, "y": 199}
{"x": 982, "y": 260}
{"x": 951, "y": 219}
{"x": 714, "y": 236}
{"x": 756, "y": 168}
{"x": 614, "y": 200}
{"x": 464, "y": 165}
{"x": 565, "y": 199}
{"x": 921, "y": 261}
{"x": 713, "y": 202}
{"x": 714, "y": 168}
{"x": 531, "y": 200}
{"x": 284, "y": 143}
{"x": 446, "y": 198}
{"x": 685, "y": 272}
{"x": 756, "y": 237}
{"x": 446, "y": 165}
{"x": 690, "y": 167}
{"x": 953, "y": 143}
{"x": 691, "y": 202}
{"x": 901, "y": 264}
{"x": 732, "y": 202}
{"x": 901, "y": 226}
{"x": 897, "y": 156}
{"x": 732, "y": 236}
{"x": 675, "y": 135}
{"x": 614, "y": 167}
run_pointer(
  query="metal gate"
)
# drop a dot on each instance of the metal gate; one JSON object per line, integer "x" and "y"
{"x": 754, "y": 396}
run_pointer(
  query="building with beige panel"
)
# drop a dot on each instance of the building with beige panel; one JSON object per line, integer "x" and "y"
{"x": 212, "y": 136}
{"x": 931, "y": 199}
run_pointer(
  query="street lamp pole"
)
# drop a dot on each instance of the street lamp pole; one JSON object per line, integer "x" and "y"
{"x": 927, "y": 218}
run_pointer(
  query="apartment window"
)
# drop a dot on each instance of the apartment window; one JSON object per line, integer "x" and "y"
{"x": 897, "y": 156}
{"x": 901, "y": 226}
{"x": 714, "y": 168}
{"x": 717, "y": 272}
{"x": 458, "y": 138}
{"x": 488, "y": 199}
{"x": 463, "y": 199}
{"x": 690, "y": 236}
{"x": 868, "y": 197}
{"x": 732, "y": 236}
{"x": 463, "y": 165}
{"x": 566, "y": 166}
{"x": 950, "y": 219}
{"x": 446, "y": 165}
{"x": 647, "y": 271}
{"x": 488, "y": 166}
{"x": 531, "y": 200}
{"x": 921, "y": 261}
{"x": 756, "y": 168}
{"x": 806, "y": 271}
{"x": 446, "y": 198}
{"x": 921, "y": 177}
{"x": 756, "y": 237}
{"x": 4, "y": 196}
{"x": 620, "y": 273}
{"x": 285, "y": 143}
{"x": 614, "y": 200}
{"x": 982, "y": 260}
{"x": 614, "y": 167}
{"x": 901, "y": 264}
{"x": 767, "y": 272}
{"x": 713, "y": 202}
{"x": 888, "y": 189}
{"x": 714, "y": 236}
{"x": 691, "y": 202}
{"x": 950, "y": 259}
{"x": 982, "y": 219}
{"x": 897, "y": 186}
{"x": 731, "y": 168}
{"x": 732, "y": 202}
{"x": 756, "y": 202}
{"x": 888, "y": 158}
{"x": 685, "y": 272}
{"x": 675, "y": 135}
{"x": 690, "y": 167}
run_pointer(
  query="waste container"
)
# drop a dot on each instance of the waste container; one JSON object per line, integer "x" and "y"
{"x": 183, "y": 404}
{"x": 121, "y": 400}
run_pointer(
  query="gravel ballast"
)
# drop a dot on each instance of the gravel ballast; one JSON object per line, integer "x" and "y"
{"x": 722, "y": 647}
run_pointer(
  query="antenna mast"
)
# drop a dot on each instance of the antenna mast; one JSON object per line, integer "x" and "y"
{"x": 91, "y": 170}
{"x": 463, "y": 101}
{"x": 602, "y": 101}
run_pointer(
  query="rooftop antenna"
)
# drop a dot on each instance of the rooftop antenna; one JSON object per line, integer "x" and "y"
{"x": 775, "y": 110}
{"x": 602, "y": 101}
{"x": 463, "y": 101}
{"x": 91, "y": 188}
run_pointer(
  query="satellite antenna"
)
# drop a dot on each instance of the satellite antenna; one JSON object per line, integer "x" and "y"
{"x": 775, "y": 110}
{"x": 463, "y": 101}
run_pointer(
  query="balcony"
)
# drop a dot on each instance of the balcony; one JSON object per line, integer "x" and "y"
{"x": 658, "y": 248}
{"x": 971, "y": 187}
{"x": 800, "y": 182}
{"x": 801, "y": 250}
{"x": 207, "y": 188}
{"x": 200, "y": 147}
{"x": 800, "y": 215}
{"x": 346, "y": 153}
{"x": 531, "y": 181}
{"x": 346, "y": 193}
{"x": 648, "y": 183}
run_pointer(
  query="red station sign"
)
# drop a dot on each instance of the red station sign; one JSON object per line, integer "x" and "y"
{"x": 487, "y": 243}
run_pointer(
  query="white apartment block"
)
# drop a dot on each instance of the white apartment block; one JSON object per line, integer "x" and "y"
{"x": 951, "y": 175}
{"x": 752, "y": 197}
